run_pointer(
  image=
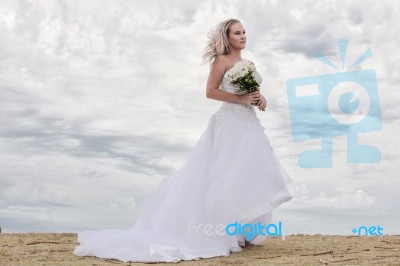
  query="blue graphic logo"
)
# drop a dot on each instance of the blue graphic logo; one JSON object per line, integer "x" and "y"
{"x": 340, "y": 104}
{"x": 236, "y": 228}
{"x": 368, "y": 231}
{"x": 253, "y": 230}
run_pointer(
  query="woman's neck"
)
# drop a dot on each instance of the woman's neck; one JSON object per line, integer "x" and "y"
{"x": 235, "y": 54}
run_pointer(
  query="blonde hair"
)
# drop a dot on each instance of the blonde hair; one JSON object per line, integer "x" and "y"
{"x": 218, "y": 43}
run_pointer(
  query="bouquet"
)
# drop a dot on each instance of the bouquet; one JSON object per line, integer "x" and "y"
{"x": 243, "y": 78}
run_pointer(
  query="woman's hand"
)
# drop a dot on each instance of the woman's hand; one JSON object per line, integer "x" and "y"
{"x": 251, "y": 97}
{"x": 262, "y": 103}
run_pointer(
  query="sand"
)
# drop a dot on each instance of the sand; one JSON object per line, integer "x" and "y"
{"x": 56, "y": 249}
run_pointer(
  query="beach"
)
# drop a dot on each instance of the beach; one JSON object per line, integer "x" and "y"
{"x": 56, "y": 249}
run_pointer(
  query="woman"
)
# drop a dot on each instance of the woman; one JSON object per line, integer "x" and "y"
{"x": 231, "y": 175}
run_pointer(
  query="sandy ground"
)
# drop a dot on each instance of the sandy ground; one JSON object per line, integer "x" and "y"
{"x": 56, "y": 249}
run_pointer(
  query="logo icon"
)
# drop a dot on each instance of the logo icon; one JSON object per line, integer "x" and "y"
{"x": 339, "y": 104}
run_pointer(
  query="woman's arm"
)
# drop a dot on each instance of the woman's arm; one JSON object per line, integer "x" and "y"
{"x": 217, "y": 72}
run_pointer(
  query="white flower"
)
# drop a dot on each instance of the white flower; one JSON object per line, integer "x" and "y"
{"x": 241, "y": 68}
{"x": 243, "y": 77}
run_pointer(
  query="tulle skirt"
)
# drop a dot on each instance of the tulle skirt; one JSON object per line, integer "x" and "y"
{"x": 231, "y": 175}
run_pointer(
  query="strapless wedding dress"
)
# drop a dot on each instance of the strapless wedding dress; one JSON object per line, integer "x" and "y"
{"x": 231, "y": 175}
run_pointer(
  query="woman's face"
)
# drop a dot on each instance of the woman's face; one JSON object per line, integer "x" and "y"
{"x": 237, "y": 36}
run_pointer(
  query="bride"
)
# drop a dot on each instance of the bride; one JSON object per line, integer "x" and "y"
{"x": 231, "y": 175}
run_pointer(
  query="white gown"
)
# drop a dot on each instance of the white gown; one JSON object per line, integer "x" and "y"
{"x": 231, "y": 175}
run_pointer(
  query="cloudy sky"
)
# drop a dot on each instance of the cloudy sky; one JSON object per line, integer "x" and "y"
{"x": 100, "y": 100}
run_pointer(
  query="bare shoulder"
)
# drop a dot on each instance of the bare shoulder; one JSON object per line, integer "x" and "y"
{"x": 218, "y": 68}
{"x": 221, "y": 62}
{"x": 220, "y": 65}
